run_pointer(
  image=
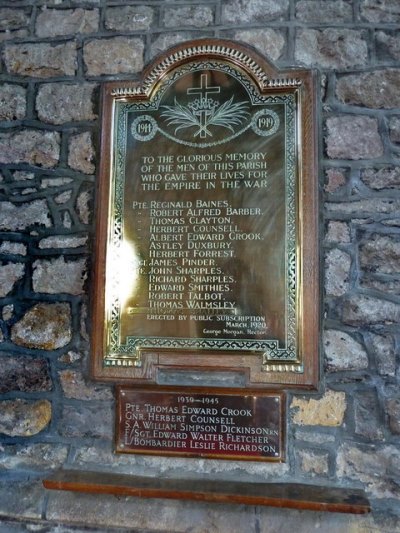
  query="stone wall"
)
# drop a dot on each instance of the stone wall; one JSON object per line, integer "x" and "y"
{"x": 54, "y": 56}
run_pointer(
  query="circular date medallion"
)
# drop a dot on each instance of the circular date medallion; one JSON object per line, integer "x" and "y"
{"x": 144, "y": 128}
{"x": 265, "y": 122}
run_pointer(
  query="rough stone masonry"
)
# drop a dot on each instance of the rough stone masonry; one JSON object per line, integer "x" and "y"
{"x": 54, "y": 54}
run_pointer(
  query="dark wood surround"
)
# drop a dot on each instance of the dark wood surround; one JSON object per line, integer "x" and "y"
{"x": 144, "y": 362}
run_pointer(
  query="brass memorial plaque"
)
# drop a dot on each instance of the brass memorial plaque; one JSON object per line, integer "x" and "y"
{"x": 206, "y": 221}
{"x": 219, "y": 426}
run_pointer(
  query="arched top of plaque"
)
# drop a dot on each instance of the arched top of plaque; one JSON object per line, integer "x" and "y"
{"x": 206, "y": 252}
{"x": 261, "y": 71}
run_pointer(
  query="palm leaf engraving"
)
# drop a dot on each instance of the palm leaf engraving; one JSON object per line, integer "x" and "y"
{"x": 205, "y": 112}
{"x": 181, "y": 116}
{"x": 229, "y": 114}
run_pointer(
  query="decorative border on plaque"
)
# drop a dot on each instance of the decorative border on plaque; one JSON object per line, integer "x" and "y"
{"x": 191, "y": 52}
{"x": 274, "y": 358}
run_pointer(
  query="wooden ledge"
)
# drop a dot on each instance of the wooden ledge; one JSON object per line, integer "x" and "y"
{"x": 290, "y": 495}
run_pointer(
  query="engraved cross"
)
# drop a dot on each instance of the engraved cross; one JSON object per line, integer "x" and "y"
{"x": 204, "y": 90}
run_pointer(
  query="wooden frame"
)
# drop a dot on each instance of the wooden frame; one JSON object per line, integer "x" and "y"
{"x": 253, "y": 109}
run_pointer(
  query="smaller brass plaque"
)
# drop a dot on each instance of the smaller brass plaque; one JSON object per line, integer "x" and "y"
{"x": 219, "y": 426}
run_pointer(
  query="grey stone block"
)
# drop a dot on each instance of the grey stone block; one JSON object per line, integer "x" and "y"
{"x": 41, "y": 60}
